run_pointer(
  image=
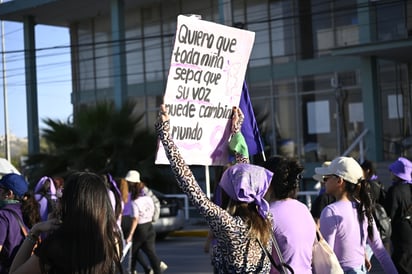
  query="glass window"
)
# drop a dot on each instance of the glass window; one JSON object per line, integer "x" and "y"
{"x": 203, "y": 8}
{"x": 334, "y": 24}
{"x": 238, "y": 11}
{"x": 169, "y": 22}
{"x": 396, "y": 109}
{"x": 85, "y": 52}
{"x": 102, "y": 54}
{"x": 282, "y": 28}
{"x": 134, "y": 52}
{"x": 345, "y": 13}
{"x": 271, "y": 102}
{"x": 332, "y": 112}
{"x": 391, "y": 20}
{"x": 152, "y": 43}
{"x": 257, "y": 18}
{"x": 309, "y": 118}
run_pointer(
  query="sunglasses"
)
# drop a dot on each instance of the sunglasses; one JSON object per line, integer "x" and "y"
{"x": 325, "y": 178}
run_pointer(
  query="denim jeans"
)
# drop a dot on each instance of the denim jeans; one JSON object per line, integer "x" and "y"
{"x": 368, "y": 251}
{"x": 359, "y": 270}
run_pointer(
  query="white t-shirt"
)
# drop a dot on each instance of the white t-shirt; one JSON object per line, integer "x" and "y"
{"x": 143, "y": 209}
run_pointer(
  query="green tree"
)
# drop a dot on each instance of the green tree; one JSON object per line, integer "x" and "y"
{"x": 100, "y": 139}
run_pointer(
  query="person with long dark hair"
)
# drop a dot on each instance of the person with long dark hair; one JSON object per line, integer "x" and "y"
{"x": 240, "y": 225}
{"x": 378, "y": 194}
{"x": 18, "y": 212}
{"x": 85, "y": 240}
{"x": 347, "y": 224}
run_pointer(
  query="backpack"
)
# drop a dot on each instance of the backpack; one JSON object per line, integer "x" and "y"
{"x": 156, "y": 203}
{"x": 383, "y": 222}
{"x": 156, "y": 214}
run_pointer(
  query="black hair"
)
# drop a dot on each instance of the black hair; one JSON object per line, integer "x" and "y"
{"x": 30, "y": 209}
{"x": 88, "y": 238}
{"x": 368, "y": 165}
{"x": 136, "y": 190}
{"x": 361, "y": 192}
{"x": 287, "y": 175}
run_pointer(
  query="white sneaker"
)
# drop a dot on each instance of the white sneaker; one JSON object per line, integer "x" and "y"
{"x": 163, "y": 266}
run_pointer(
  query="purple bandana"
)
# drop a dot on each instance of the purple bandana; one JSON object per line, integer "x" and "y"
{"x": 40, "y": 184}
{"x": 113, "y": 183}
{"x": 247, "y": 183}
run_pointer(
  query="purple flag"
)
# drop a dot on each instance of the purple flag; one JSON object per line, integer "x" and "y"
{"x": 249, "y": 127}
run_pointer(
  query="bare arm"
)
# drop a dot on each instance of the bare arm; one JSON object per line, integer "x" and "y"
{"x": 133, "y": 226}
{"x": 24, "y": 262}
{"x": 237, "y": 143}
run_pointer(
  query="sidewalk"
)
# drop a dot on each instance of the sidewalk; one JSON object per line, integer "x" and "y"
{"x": 192, "y": 228}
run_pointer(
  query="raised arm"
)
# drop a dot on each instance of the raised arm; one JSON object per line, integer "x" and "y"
{"x": 214, "y": 214}
{"x": 24, "y": 261}
{"x": 237, "y": 143}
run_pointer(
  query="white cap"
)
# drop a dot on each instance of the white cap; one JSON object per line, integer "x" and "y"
{"x": 318, "y": 177}
{"x": 345, "y": 167}
{"x": 133, "y": 176}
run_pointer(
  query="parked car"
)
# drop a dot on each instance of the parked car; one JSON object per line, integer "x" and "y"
{"x": 172, "y": 216}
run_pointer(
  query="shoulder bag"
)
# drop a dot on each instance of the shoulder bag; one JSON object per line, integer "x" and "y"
{"x": 282, "y": 267}
{"x": 324, "y": 260}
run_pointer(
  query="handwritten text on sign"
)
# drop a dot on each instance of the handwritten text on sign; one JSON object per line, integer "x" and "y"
{"x": 207, "y": 70}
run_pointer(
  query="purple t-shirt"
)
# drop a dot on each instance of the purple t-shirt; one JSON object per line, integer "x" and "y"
{"x": 127, "y": 210}
{"x": 11, "y": 236}
{"x": 295, "y": 232}
{"x": 340, "y": 227}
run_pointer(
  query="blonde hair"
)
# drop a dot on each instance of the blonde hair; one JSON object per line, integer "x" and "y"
{"x": 258, "y": 227}
{"x": 124, "y": 189}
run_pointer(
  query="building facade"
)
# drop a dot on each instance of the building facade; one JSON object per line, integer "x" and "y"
{"x": 326, "y": 77}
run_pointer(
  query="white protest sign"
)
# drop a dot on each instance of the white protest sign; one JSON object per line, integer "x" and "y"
{"x": 206, "y": 75}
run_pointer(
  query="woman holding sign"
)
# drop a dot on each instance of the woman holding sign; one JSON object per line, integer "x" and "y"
{"x": 240, "y": 225}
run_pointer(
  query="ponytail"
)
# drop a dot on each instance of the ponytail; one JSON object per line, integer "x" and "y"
{"x": 361, "y": 192}
{"x": 365, "y": 205}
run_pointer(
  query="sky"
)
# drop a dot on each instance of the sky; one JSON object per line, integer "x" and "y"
{"x": 53, "y": 77}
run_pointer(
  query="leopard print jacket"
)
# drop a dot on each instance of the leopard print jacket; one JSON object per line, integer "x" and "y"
{"x": 236, "y": 250}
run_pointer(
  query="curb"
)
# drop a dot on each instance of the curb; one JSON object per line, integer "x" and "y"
{"x": 190, "y": 233}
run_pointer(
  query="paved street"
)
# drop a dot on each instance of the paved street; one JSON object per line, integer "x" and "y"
{"x": 183, "y": 253}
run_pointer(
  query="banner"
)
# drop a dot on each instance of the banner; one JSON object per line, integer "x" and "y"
{"x": 207, "y": 70}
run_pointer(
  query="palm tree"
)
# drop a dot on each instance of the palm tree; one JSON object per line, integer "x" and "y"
{"x": 101, "y": 139}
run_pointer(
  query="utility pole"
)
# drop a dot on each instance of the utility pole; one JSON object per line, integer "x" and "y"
{"x": 6, "y": 112}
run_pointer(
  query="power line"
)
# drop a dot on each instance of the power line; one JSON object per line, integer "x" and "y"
{"x": 105, "y": 45}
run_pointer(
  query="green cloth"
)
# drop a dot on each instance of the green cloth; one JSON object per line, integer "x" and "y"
{"x": 238, "y": 144}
